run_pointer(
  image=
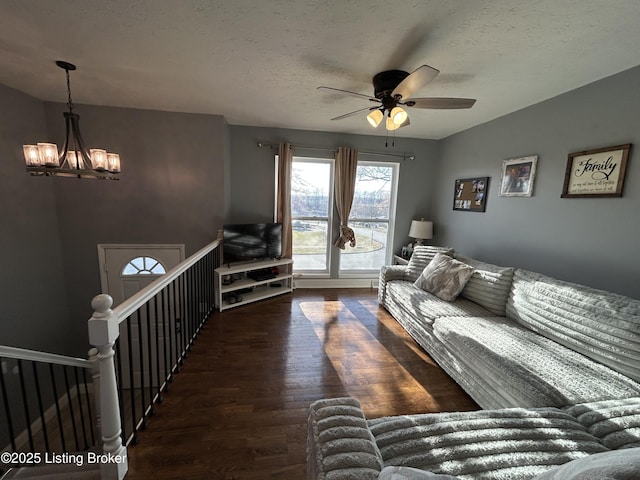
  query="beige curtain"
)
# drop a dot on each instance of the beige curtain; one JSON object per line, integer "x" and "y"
{"x": 345, "y": 185}
{"x": 283, "y": 208}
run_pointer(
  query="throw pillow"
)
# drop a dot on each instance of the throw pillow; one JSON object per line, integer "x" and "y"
{"x": 621, "y": 464}
{"x": 408, "y": 473}
{"x": 445, "y": 277}
{"x": 422, "y": 255}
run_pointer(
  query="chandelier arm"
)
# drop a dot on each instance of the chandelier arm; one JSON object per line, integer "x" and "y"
{"x": 77, "y": 136}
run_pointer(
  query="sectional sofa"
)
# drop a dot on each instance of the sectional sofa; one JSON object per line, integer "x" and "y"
{"x": 554, "y": 365}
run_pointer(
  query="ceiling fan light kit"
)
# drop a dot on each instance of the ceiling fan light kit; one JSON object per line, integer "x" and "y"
{"x": 74, "y": 160}
{"x": 393, "y": 89}
{"x": 375, "y": 117}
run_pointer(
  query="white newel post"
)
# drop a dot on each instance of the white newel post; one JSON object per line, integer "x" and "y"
{"x": 103, "y": 332}
{"x": 92, "y": 356}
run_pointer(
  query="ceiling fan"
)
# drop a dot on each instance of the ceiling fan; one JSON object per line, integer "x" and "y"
{"x": 393, "y": 90}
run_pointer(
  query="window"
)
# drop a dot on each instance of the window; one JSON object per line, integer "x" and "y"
{"x": 311, "y": 212}
{"x": 144, "y": 266}
{"x": 371, "y": 218}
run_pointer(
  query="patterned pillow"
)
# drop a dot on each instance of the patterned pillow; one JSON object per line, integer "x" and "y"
{"x": 422, "y": 255}
{"x": 445, "y": 277}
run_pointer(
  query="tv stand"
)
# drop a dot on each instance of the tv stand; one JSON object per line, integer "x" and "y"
{"x": 233, "y": 282}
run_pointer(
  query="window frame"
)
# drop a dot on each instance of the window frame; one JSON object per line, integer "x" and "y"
{"x": 326, "y": 272}
{"x": 393, "y": 201}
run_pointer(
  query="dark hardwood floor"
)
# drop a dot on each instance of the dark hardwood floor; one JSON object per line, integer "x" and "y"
{"x": 238, "y": 409}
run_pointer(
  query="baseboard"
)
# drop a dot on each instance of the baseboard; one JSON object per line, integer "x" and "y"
{"x": 336, "y": 283}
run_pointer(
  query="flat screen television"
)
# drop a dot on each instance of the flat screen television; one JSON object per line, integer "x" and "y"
{"x": 251, "y": 241}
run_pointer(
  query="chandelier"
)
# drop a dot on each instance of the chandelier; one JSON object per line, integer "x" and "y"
{"x": 74, "y": 160}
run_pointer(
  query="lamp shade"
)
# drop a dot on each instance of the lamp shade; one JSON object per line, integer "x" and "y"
{"x": 398, "y": 115}
{"x": 375, "y": 118}
{"x": 421, "y": 229}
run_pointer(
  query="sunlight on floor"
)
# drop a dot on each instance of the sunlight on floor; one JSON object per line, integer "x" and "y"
{"x": 351, "y": 347}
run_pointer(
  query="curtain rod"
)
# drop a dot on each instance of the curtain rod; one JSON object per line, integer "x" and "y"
{"x": 404, "y": 156}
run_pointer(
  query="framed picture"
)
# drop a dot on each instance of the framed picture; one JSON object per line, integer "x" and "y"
{"x": 470, "y": 194}
{"x": 518, "y": 175}
{"x": 596, "y": 173}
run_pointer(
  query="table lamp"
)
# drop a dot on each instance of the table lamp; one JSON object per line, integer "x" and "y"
{"x": 421, "y": 230}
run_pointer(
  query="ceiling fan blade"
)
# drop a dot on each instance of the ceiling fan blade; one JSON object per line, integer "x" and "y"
{"x": 440, "y": 103}
{"x": 415, "y": 81}
{"x": 347, "y": 92}
{"x": 350, "y": 114}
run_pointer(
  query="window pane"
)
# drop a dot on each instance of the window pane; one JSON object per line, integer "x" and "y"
{"x": 371, "y": 247}
{"x": 373, "y": 192}
{"x": 310, "y": 189}
{"x": 310, "y": 244}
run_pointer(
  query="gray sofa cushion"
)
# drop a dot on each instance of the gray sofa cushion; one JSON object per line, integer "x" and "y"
{"x": 615, "y": 422}
{"x": 489, "y": 285}
{"x": 601, "y": 325}
{"x": 340, "y": 445}
{"x": 525, "y": 369}
{"x": 408, "y": 473}
{"x": 514, "y": 444}
{"x": 424, "y": 307}
{"x": 616, "y": 465}
{"x": 422, "y": 255}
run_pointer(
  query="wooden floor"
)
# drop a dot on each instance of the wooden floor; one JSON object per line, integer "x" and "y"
{"x": 238, "y": 409}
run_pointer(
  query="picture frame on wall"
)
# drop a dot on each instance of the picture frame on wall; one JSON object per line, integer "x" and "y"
{"x": 518, "y": 176}
{"x": 596, "y": 173}
{"x": 470, "y": 194}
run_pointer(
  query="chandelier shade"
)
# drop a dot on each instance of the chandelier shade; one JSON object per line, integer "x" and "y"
{"x": 74, "y": 160}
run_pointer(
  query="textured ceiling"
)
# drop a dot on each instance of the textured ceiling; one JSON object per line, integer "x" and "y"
{"x": 258, "y": 62}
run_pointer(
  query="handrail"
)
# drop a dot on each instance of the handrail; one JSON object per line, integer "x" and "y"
{"x": 133, "y": 303}
{"x": 35, "y": 356}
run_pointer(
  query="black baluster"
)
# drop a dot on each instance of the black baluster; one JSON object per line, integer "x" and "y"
{"x": 25, "y": 403}
{"x": 156, "y": 324}
{"x": 166, "y": 318}
{"x": 132, "y": 388}
{"x": 70, "y": 404}
{"x": 82, "y": 418}
{"x": 173, "y": 325}
{"x": 41, "y": 406}
{"x": 150, "y": 408}
{"x": 57, "y": 402}
{"x": 7, "y": 410}
{"x": 143, "y": 405}
{"x": 89, "y": 409}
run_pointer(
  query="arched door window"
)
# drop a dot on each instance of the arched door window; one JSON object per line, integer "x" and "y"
{"x": 144, "y": 266}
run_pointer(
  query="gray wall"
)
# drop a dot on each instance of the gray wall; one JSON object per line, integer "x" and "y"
{"x": 589, "y": 241}
{"x": 253, "y": 172}
{"x": 171, "y": 190}
{"x": 32, "y": 284}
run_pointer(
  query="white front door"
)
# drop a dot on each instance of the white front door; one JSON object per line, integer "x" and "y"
{"x": 120, "y": 272}
{"x": 124, "y": 270}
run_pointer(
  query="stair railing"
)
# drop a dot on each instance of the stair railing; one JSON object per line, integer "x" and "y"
{"x": 143, "y": 342}
{"x": 47, "y": 405}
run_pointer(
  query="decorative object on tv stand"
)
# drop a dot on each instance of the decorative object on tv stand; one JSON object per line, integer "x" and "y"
{"x": 518, "y": 175}
{"x": 596, "y": 173}
{"x": 470, "y": 194}
{"x": 74, "y": 160}
{"x": 421, "y": 230}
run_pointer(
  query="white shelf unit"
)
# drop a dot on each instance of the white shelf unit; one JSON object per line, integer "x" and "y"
{"x": 261, "y": 289}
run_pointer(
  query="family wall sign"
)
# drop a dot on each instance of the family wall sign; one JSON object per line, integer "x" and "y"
{"x": 596, "y": 173}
